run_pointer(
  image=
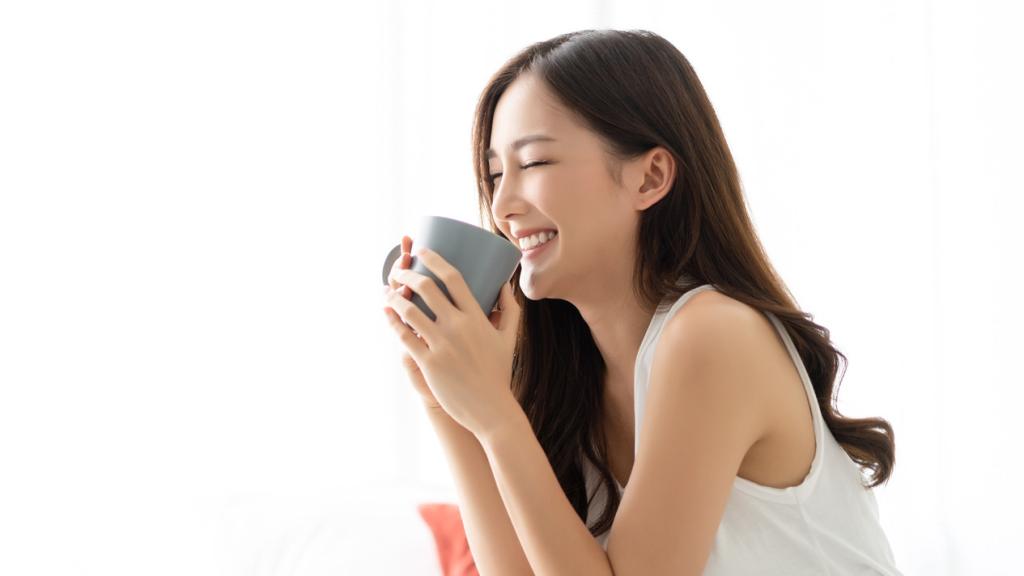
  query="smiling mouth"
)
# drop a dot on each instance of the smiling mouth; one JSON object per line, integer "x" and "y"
{"x": 529, "y": 252}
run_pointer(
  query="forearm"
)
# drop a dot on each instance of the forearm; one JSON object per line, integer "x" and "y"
{"x": 553, "y": 537}
{"x": 492, "y": 539}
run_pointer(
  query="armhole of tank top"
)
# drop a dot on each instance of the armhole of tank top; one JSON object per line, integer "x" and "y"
{"x": 802, "y": 490}
{"x": 789, "y": 493}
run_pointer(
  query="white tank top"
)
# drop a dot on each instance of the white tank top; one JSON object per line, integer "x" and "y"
{"x": 827, "y": 525}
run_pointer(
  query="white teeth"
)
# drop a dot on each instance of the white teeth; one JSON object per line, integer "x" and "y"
{"x": 536, "y": 239}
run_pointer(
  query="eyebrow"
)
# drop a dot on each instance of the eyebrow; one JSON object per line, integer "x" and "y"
{"x": 523, "y": 142}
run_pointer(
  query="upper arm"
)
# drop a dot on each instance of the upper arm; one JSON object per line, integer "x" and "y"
{"x": 701, "y": 417}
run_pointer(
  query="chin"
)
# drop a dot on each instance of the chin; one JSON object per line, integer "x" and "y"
{"x": 528, "y": 293}
{"x": 531, "y": 289}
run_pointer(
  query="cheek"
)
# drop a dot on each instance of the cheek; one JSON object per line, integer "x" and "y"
{"x": 563, "y": 194}
{"x": 587, "y": 211}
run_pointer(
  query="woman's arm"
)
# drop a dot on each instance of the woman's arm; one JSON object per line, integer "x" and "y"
{"x": 492, "y": 539}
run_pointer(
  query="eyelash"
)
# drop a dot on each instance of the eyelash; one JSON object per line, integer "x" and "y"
{"x": 491, "y": 177}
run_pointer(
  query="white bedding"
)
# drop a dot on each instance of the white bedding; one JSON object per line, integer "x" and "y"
{"x": 360, "y": 539}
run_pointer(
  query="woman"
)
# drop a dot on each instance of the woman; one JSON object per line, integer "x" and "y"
{"x": 648, "y": 399}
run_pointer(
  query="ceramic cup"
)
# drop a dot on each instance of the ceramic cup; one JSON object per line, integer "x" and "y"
{"x": 485, "y": 259}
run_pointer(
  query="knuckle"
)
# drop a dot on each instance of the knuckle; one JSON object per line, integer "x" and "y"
{"x": 447, "y": 275}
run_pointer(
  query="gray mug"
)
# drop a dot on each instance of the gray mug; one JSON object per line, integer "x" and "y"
{"x": 486, "y": 260}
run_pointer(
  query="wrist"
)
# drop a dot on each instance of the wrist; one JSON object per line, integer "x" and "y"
{"x": 513, "y": 424}
{"x": 439, "y": 417}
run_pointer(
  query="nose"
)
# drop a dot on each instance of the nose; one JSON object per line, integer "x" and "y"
{"x": 505, "y": 199}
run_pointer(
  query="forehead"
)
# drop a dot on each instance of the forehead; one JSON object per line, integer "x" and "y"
{"x": 528, "y": 107}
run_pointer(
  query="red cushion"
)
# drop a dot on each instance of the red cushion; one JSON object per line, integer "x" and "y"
{"x": 449, "y": 537}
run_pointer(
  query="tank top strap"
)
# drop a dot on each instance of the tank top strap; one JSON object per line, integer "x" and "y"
{"x": 645, "y": 355}
{"x": 642, "y": 368}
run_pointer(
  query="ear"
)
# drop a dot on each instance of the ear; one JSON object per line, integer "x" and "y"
{"x": 659, "y": 176}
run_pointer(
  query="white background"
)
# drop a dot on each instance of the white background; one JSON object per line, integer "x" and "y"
{"x": 196, "y": 199}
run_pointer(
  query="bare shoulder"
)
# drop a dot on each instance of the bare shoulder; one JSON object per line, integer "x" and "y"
{"x": 724, "y": 320}
{"x": 738, "y": 338}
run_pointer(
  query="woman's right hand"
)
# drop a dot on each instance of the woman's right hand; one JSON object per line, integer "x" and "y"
{"x": 411, "y": 368}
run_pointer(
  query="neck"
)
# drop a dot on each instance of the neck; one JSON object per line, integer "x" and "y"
{"x": 618, "y": 326}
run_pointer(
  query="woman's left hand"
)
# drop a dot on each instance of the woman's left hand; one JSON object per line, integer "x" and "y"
{"x": 465, "y": 357}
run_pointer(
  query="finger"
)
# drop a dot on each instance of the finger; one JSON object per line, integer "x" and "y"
{"x": 495, "y": 318}
{"x": 411, "y": 315}
{"x": 393, "y": 282}
{"x": 427, "y": 289}
{"x": 509, "y": 307}
{"x": 454, "y": 283}
{"x": 395, "y": 267}
{"x": 413, "y": 343}
{"x": 406, "y": 261}
{"x": 407, "y": 291}
{"x": 389, "y": 289}
{"x": 401, "y": 263}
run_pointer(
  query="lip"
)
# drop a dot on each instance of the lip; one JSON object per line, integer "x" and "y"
{"x": 531, "y": 253}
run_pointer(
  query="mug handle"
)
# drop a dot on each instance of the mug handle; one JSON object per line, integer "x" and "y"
{"x": 389, "y": 261}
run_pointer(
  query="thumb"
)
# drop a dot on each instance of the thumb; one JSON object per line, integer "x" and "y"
{"x": 509, "y": 308}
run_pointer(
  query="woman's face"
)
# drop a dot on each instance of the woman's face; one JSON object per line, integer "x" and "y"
{"x": 571, "y": 192}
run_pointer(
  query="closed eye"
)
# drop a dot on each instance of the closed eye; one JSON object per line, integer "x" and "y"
{"x": 530, "y": 165}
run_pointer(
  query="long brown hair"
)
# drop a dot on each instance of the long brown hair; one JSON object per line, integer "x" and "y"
{"x": 636, "y": 90}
